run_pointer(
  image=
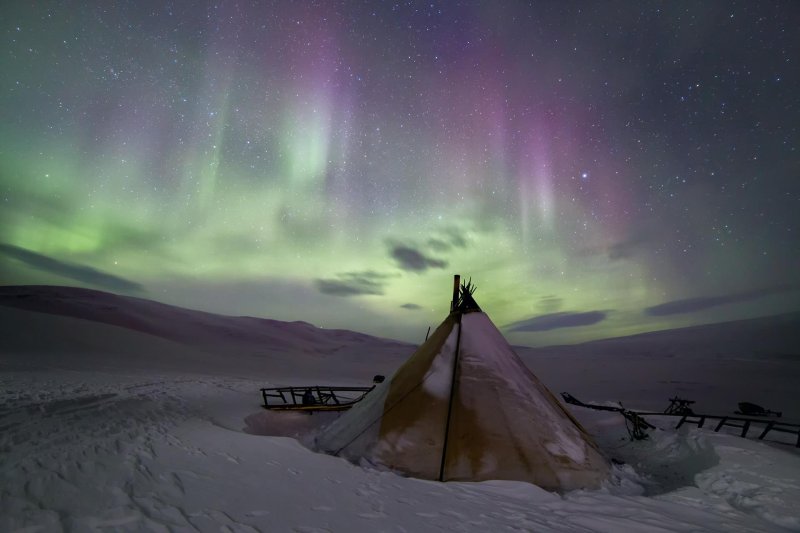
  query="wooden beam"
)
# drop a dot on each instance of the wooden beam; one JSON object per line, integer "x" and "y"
{"x": 766, "y": 430}
{"x": 456, "y": 287}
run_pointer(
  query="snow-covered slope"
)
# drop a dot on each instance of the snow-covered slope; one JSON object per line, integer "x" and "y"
{"x": 103, "y": 428}
{"x": 43, "y": 321}
{"x": 717, "y": 365}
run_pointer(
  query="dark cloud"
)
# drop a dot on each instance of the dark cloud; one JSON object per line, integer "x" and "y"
{"x": 623, "y": 249}
{"x": 411, "y": 307}
{"x": 455, "y": 238}
{"x": 558, "y": 320}
{"x": 409, "y": 258}
{"x": 448, "y": 239}
{"x": 549, "y": 304}
{"x": 353, "y": 284}
{"x": 691, "y": 305}
{"x": 438, "y": 245}
{"x": 627, "y": 248}
{"x": 82, "y": 273}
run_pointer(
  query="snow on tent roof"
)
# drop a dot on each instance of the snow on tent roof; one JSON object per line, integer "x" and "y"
{"x": 501, "y": 422}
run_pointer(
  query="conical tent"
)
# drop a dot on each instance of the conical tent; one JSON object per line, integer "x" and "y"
{"x": 486, "y": 417}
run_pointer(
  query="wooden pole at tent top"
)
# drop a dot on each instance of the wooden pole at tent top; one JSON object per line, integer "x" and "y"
{"x": 456, "y": 287}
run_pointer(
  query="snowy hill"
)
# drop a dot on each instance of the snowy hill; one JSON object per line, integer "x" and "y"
{"x": 773, "y": 337}
{"x": 168, "y": 337}
{"x": 717, "y": 365}
{"x": 119, "y": 414}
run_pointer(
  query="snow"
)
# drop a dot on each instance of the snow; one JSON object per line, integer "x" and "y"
{"x": 438, "y": 380}
{"x": 107, "y": 428}
{"x": 563, "y": 445}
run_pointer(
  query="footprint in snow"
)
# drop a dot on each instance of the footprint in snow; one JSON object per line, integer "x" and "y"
{"x": 230, "y": 457}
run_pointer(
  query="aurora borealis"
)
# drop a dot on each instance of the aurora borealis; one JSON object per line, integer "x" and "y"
{"x": 597, "y": 168}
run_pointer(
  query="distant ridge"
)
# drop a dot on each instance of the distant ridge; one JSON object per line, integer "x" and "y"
{"x": 184, "y": 326}
{"x": 776, "y": 336}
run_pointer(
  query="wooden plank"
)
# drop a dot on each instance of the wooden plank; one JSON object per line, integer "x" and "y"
{"x": 683, "y": 419}
{"x": 745, "y": 428}
{"x": 730, "y": 421}
{"x": 766, "y": 430}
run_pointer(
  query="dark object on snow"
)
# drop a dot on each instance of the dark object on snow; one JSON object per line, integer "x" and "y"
{"x": 679, "y": 406}
{"x": 316, "y": 398}
{"x": 751, "y": 409}
{"x": 378, "y": 378}
{"x": 639, "y": 426}
{"x": 699, "y": 419}
{"x": 308, "y": 398}
{"x": 569, "y": 398}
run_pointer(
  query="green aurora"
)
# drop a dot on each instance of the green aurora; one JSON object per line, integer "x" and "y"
{"x": 318, "y": 162}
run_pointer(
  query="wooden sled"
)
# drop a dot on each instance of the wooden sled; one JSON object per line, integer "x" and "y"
{"x": 313, "y": 398}
{"x": 699, "y": 419}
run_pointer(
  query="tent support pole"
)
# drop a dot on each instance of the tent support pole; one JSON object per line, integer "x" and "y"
{"x": 456, "y": 287}
{"x": 452, "y": 397}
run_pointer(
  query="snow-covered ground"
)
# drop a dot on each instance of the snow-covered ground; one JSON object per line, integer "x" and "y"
{"x": 107, "y": 428}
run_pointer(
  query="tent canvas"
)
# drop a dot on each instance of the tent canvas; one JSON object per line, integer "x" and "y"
{"x": 488, "y": 418}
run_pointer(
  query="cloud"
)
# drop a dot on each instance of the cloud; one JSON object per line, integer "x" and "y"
{"x": 353, "y": 284}
{"x": 82, "y": 273}
{"x": 411, "y": 259}
{"x": 411, "y": 307}
{"x": 558, "y": 320}
{"x": 438, "y": 245}
{"x": 549, "y": 304}
{"x": 691, "y": 305}
{"x": 627, "y": 248}
{"x": 450, "y": 238}
{"x": 455, "y": 238}
{"x": 623, "y": 249}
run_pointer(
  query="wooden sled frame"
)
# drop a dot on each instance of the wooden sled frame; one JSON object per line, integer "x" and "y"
{"x": 743, "y": 423}
{"x": 313, "y": 398}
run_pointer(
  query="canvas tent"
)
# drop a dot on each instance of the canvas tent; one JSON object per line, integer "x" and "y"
{"x": 486, "y": 417}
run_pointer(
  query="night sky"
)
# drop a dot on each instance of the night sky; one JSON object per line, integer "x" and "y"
{"x": 597, "y": 168}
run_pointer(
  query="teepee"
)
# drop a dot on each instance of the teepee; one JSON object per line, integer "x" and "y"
{"x": 464, "y": 407}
